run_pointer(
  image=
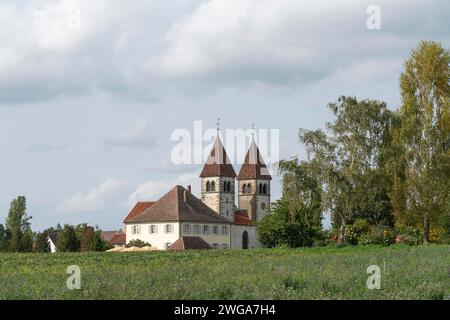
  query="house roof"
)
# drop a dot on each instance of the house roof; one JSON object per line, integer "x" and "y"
{"x": 118, "y": 239}
{"x": 241, "y": 218}
{"x": 218, "y": 163}
{"x": 108, "y": 235}
{"x": 53, "y": 236}
{"x": 178, "y": 205}
{"x": 189, "y": 243}
{"x": 254, "y": 166}
{"x": 138, "y": 209}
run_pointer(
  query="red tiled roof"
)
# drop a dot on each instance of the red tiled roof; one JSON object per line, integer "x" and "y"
{"x": 118, "y": 239}
{"x": 218, "y": 163}
{"x": 138, "y": 209}
{"x": 178, "y": 205}
{"x": 189, "y": 243}
{"x": 254, "y": 166}
{"x": 241, "y": 218}
{"x": 108, "y": 235}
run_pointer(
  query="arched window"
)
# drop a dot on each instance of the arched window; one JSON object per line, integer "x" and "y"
{"x": 244, "y": 189}
{"x": 229, "y": 186}
{"x": 213, "y": 186}
{"x": 225, "y": 186}
{"x": 265, "y": 188}
{"x": 260, "y": 188}
{"x": 208, "y": 186}
{"x": 249, "y": 188}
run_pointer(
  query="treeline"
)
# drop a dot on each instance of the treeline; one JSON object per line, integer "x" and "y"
{"x": 16, "y": 234}
{"x": 384, "y": 176}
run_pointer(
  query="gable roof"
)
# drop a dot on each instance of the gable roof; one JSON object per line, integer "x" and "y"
{"x": 241, "y": 218}
{"x": 189, "y": 243}
{"x": 118, "y": 239}
{"x": 178, "y": 205}
{"x": 108, "y": 235}
{"x": 218, "y": 164}
{"x": 137, "y": 210}
{"x": 53, "y": 236}
{"x": 254, "y": 166}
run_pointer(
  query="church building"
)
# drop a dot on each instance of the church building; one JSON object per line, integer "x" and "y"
{"x": 179, "y": 220}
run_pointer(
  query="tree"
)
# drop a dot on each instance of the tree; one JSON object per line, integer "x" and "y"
{"x": 271, "y": 227}
{"x": 4, "y": 239}
{"x": 278, "y": 228}
{"x": 98, "y": 244}
{"x": 87, "y": 235}
{"x": 26, "y": 242}
{"x": 421, "y": 187}
{"x": 41, "y": 244}
{"x": 18, "y": 225}
{"x": 302, "y": 193}
{"x": 67, "y": 240}
{"x": 350, "y": 161}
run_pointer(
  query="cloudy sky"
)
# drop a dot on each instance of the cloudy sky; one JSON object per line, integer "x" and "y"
{"x": 92, "y": 90}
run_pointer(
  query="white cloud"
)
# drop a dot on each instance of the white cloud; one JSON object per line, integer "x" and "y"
{"x": 117, "y": 47}
{"x": 152, "y": 190}
{"x": 287, "y": 41}
{"x": 94, "y": 199}
{"x": 137, "y": 136}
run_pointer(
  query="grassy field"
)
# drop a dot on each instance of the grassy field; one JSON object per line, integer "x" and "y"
{"x": 315, "y": 273}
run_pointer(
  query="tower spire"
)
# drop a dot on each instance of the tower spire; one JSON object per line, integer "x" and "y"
{"x": 253, "y": 132}
{"x": 218, "y": 126}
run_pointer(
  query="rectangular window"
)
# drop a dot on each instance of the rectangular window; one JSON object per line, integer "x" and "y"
{"x": 225, "y": 230}
{"x": 196, "y": 229}
{"x": 167, "y": 245}
{"x": 224, "y": 246}
{"x": 215, "y": 230}
{"x": 186, "y": 228}
{"x": 135, "y": 230}
{"x": 169, "y": 228}
{"x": 205, "y": 229}
{"x": 215, "y": 246}
{"x": 153, "y": 229}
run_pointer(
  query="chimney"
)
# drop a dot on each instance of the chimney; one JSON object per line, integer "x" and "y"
{"x": 185, "y": 196}
{"x": 189, "y": 188}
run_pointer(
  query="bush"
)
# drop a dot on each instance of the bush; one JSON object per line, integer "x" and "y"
{"x": 354, "y": 231}
{"x": 138, "y": 243}
{"x": 408, "y": 235}
{"x": 439, "y": 235}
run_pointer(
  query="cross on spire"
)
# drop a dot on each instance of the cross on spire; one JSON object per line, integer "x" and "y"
{"x": 253, "y": 131}
{"x": 218, "y": 125}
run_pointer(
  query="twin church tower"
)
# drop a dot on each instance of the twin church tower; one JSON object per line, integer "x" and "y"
{"x": 219, "y": 182}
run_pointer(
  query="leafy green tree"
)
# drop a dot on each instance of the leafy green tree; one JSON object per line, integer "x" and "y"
{"x": 98, "y": 244}
{"x": 4, "y": 239}
{"x": 422, "y": 186}
{"x": 302, "y": 193}
{"x": 350, "y": 161}
{"x": 18, "y": 225}
{"x": 67, "y": 240}
{"x": 41, "y": 244}
{"x": 271, "y": 227}
{"x": 27, "y": 241}
{"x": 278, "y": 228}
{"x": 86, "y": 234}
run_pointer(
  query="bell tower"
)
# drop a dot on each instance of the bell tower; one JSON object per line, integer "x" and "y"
{"x": 254, "y": 184}
{"x": 218, "y": 181}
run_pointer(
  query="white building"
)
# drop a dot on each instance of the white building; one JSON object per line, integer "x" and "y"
{"x": 186, "y": 222}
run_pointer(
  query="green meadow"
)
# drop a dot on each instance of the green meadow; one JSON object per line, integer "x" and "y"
{"x": 407, "y": 272}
